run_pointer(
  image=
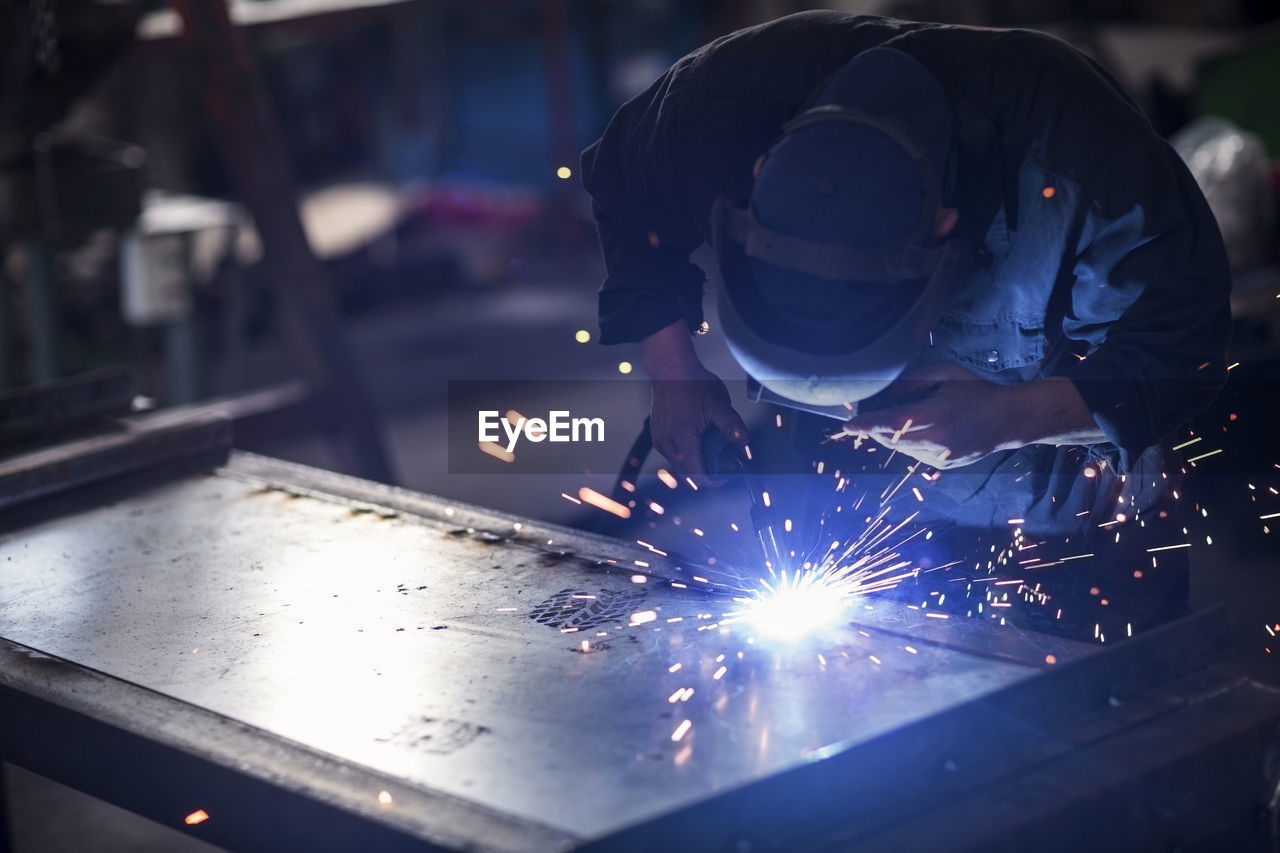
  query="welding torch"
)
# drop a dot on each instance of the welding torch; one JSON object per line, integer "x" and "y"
{"x": 721, "y": 457}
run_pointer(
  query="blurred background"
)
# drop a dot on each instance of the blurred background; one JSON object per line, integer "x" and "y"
{"x": 312, "y": 215}
{"x": 151, "y": 155}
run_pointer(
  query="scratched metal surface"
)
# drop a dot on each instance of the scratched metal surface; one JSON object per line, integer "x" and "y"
{"x": 406, "y": 645}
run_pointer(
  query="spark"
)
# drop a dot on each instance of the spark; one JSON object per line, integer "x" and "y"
{"x": 624, "y": 367}
{"x": 667, "y": 479}
{"x": 681, "y": 730}
{"x": 384, "y": 798}
{"x": 649, "y": 547}
{"x": 1168, "y": 547}
{"x": 496, "y": 451}
{"x": 790, "y": 605}
{"x": 1186, "y": 443}
{"x": 892, "y": 490}
{"x": 582, "y": 336}
{"x": 1195, "y": 459}
{"x": 197, "y": 816}
{"x": 599, "y": 501}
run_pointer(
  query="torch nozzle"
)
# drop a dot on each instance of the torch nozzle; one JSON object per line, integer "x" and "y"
{"x": 764, "y": 519}
{"x": 719, "y": 456}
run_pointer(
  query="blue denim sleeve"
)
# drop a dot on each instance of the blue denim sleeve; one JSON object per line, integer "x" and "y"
{"x": 1150, "y": 299}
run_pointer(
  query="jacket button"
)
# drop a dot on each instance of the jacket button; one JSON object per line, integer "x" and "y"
{"x": 993, "y": 356}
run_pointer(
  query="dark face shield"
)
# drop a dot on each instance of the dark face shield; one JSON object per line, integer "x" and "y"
{"x": 882, "y": 304}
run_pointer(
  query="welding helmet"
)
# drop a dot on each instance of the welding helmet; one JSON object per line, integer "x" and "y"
{"x": 830, "y": 276}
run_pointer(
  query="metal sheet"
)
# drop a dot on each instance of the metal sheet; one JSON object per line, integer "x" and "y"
{"x": 162, "y": 758}
{"x": 42, "y": 411}
{"x": 407, "y": 645}
{"x": 172, "y": 437}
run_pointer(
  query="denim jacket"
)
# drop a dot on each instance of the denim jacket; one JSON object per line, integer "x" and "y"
{"x": 1100, "y": 260}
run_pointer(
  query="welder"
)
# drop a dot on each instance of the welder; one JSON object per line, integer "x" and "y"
{"x": 970, "y": 237}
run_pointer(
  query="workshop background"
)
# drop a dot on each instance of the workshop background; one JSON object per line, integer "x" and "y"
{"x": 148, "y": 172}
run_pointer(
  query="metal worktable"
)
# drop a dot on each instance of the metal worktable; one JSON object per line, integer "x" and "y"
{"x": 318, "y": 662}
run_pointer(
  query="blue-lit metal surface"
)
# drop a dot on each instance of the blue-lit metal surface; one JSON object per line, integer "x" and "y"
{"x": 477, "y": 661}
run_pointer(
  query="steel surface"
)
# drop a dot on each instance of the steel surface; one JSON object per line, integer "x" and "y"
{"x": 442, "y": 646}
{"x": 172, "y": 437}
{"x": 407, "y": 646}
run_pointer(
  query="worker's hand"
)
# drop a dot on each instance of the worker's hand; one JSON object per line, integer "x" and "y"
{"x": 686, "y": 406}
{"x": 959, "y": 420}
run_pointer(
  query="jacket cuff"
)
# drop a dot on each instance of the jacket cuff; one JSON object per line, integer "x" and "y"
{"x": 1118, "y": 405}
{"x": 630, "y": 313}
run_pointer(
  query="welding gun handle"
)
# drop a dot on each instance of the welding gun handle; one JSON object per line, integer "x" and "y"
{"x": 720, "y": 456}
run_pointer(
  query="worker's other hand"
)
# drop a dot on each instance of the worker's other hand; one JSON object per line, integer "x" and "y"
{"x": 960, "y": 419}
{"x": 685, "y": 406}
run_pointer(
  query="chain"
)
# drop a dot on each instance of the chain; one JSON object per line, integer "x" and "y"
{"x": 44, "y": 29}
